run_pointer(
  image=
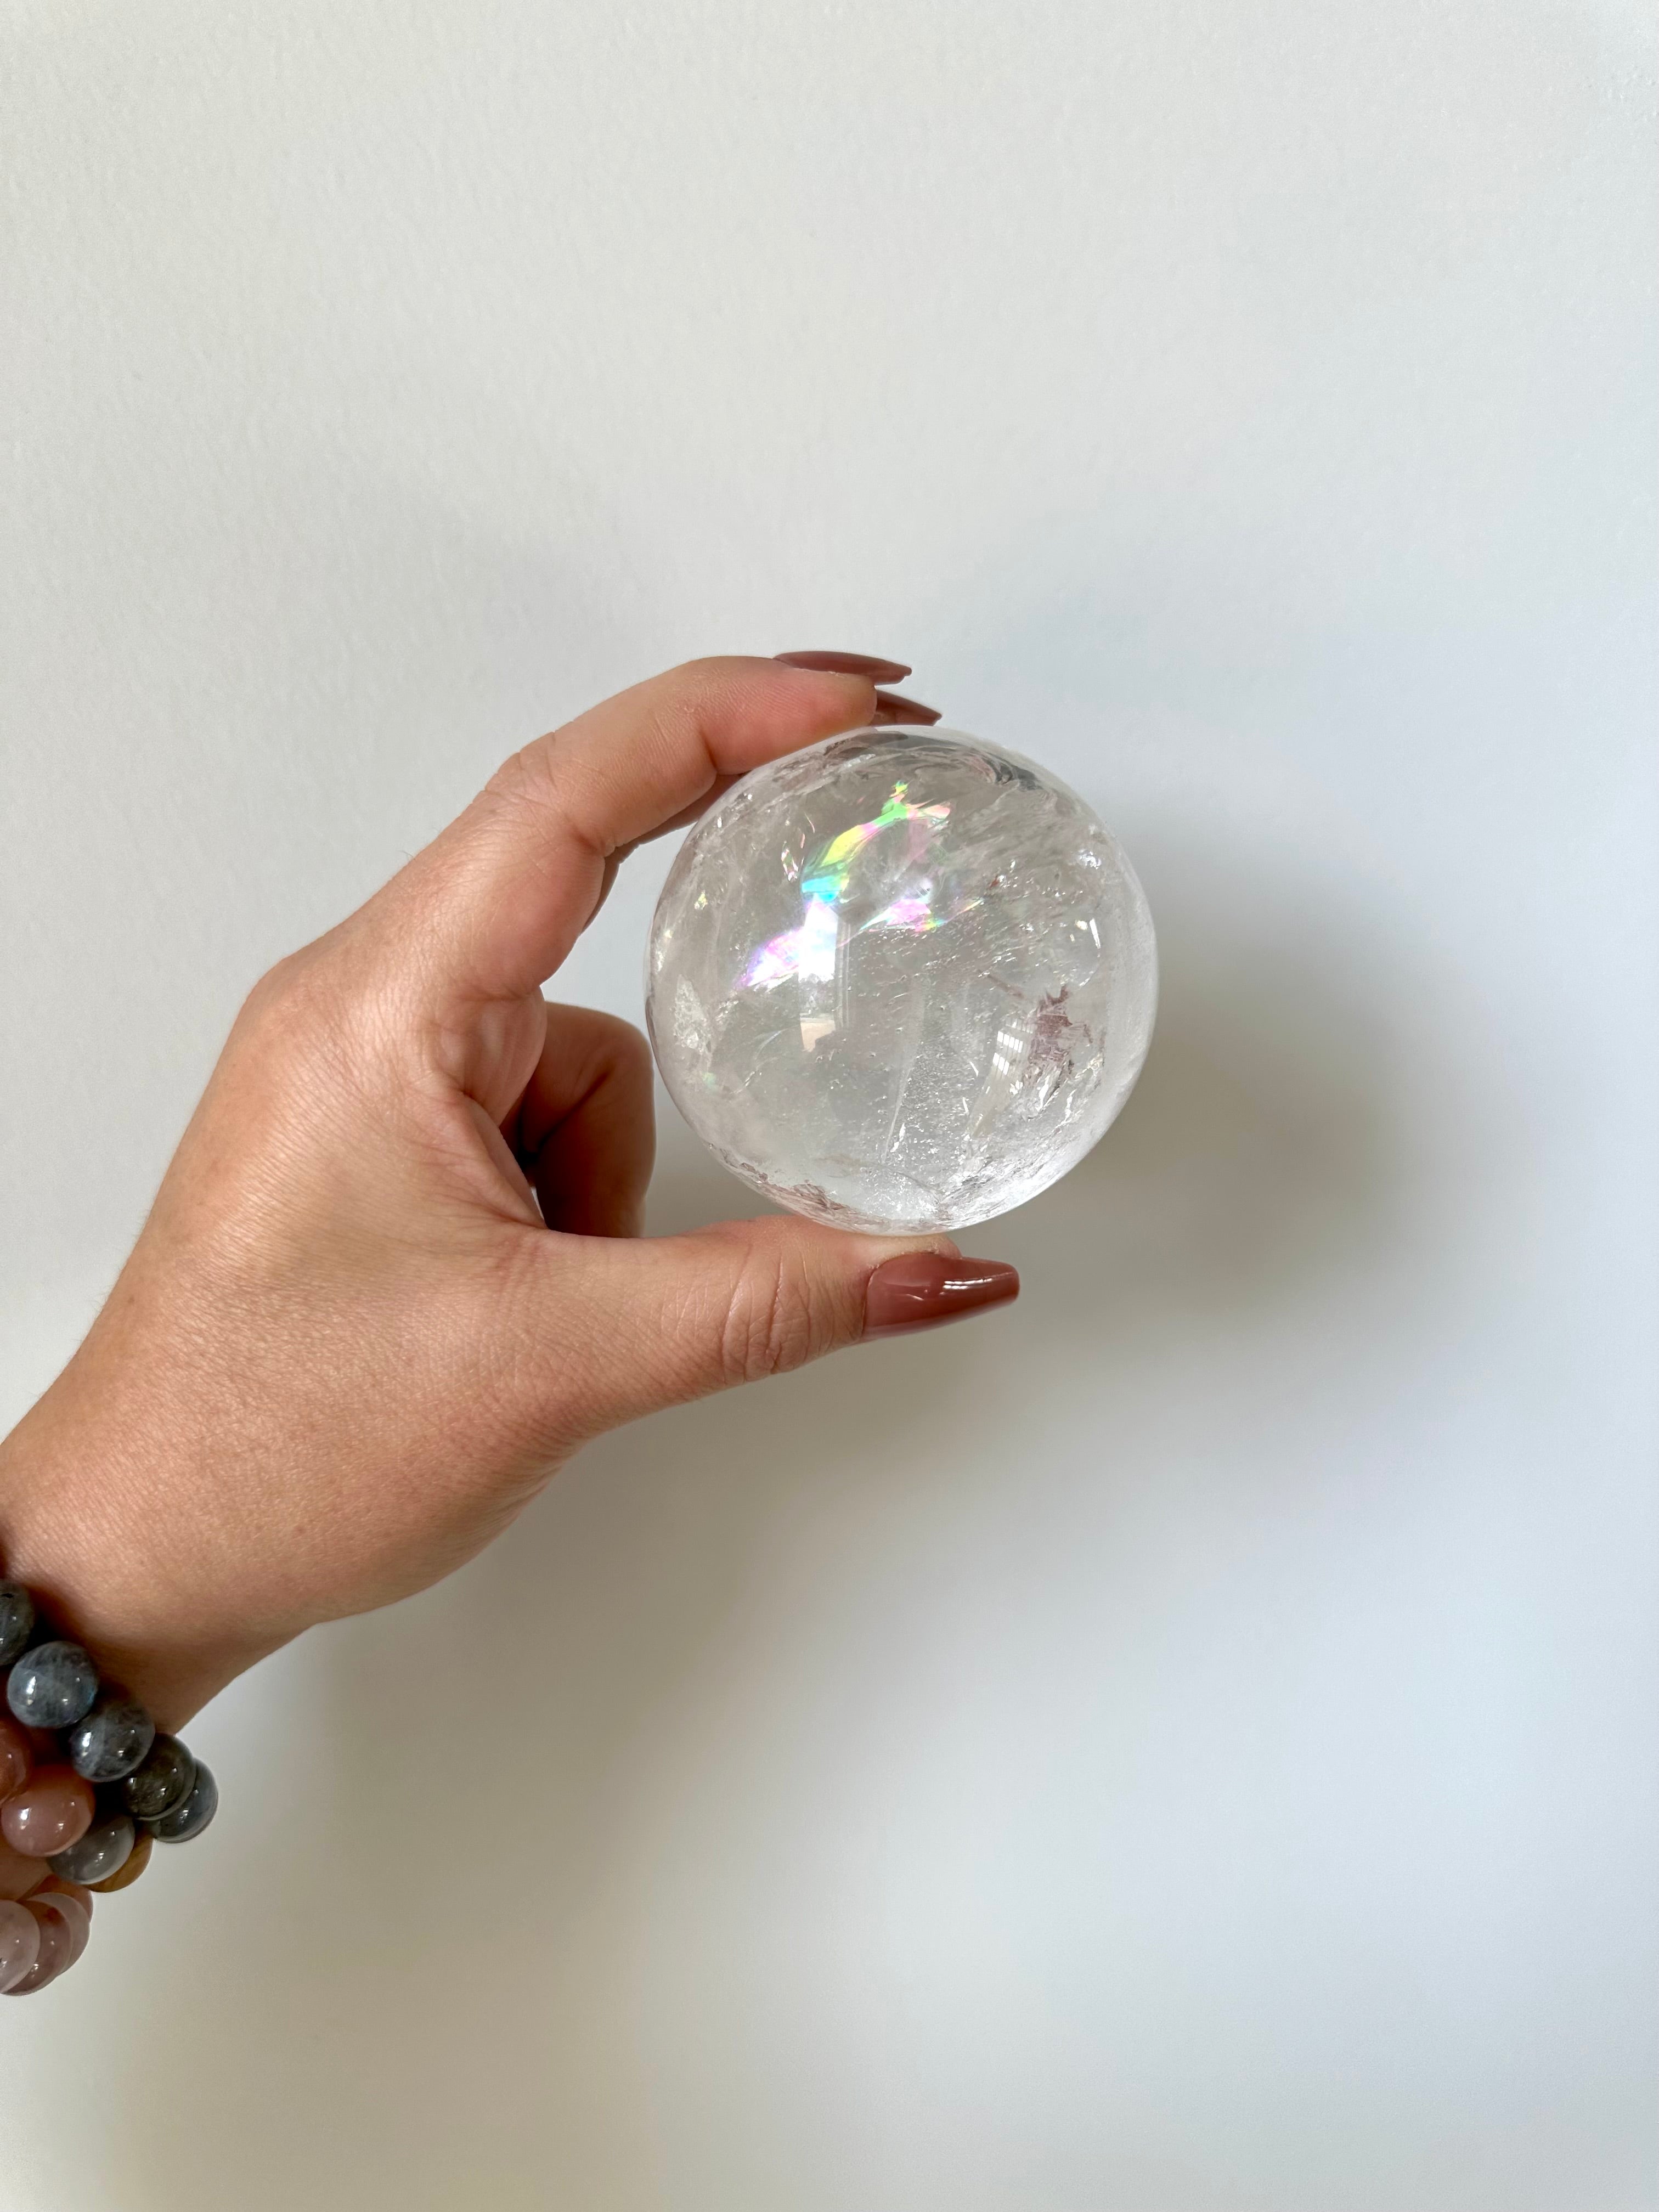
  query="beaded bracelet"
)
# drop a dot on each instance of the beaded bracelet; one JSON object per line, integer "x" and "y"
{"x": 87, "y": 1787}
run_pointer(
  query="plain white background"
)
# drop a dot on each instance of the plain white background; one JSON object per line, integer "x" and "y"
{"x": 1186, "y": 1744}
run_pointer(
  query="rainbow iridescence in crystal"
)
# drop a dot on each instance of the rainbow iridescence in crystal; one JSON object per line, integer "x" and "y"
{"x": 810, "y": 948}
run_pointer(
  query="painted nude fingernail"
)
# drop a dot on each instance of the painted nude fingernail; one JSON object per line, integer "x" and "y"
{"x": 848, "y": 664}
{"x": 894, "y": 707}
{"x": 920, "y": 1288}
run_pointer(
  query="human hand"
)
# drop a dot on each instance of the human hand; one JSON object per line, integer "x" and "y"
{"x": 394, "y": 1275}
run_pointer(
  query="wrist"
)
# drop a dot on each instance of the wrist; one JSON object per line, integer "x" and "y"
{"x": 88, "y": 1783}
{"x": 81, "y": 1524}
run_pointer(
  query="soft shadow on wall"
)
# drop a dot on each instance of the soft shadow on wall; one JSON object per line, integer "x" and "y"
{"x": 454, "y": 2014}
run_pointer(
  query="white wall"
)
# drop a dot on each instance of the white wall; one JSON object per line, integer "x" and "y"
{"x": 1183, "y": 1746}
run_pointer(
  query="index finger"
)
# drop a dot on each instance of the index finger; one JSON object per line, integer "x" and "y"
{"x": 491, "y": 907}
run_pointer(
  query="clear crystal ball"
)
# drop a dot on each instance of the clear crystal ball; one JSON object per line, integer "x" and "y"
{"x": 903, "y": 979}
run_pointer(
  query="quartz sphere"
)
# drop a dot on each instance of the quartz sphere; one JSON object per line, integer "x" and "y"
{"x": 901, "y": 980}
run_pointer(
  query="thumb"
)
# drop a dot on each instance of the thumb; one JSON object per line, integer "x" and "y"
{"x": 662, "y": 1320}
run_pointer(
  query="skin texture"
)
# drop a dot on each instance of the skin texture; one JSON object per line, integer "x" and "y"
{"x": 394, "y": 1275}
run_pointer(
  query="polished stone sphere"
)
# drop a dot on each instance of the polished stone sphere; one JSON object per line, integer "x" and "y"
{"x": 901, "y": 980}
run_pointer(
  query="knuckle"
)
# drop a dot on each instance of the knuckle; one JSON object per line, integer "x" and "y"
{"x": 536, "y": 782}
{"x": 312, "y": 1008}
{"x": 771, "y": 1326}
{"x": 605, "y": 1045}
{"x": 626, "y": 1045}
{"x": 522, "y": 775}
{"x": 289, "y": 996}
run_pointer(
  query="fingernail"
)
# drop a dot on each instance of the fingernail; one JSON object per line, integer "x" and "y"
{"x": 893, "y": 707}
{"x": 920, "y": 1288}
{"x": 848, "y": 664}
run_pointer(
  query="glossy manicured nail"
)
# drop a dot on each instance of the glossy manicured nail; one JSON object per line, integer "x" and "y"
{"x": 894, "y": 707}
{"x": 848, "y": 664}
{"x": 920, "y": 1288}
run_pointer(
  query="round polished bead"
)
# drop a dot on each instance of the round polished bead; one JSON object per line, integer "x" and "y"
{"x": 58, "y": 1885}
{"x": 190, "y": 1817}
{"x": 18, "y": 1875}
{"x": 114, "y": 1737}
{"x": 16, "y": 1621}
{"x": 70, "y": 1908}
{"x": 163, "y": 1781}
{"x": 57, "y": 1900}
{"x": 51, "y": 1685}
{"x": 137, "y": 1859}
{"x": 16, "y": 1757}
{"x": 103, "y": 1850}
{"x": 20, "y": 1944}
{"x": 52, "y": 1810}
{"x": 57, "y": 1953}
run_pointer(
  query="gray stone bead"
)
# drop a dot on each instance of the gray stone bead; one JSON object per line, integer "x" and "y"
{"x": 190, "y": 1818}
{"x": 16, "y": 1621}
{"x": 114, "y": 1737}
{"x": 103, "y": 1850}
{"x": 52, "y": 1685}
{"x": 161, "y": 1781}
